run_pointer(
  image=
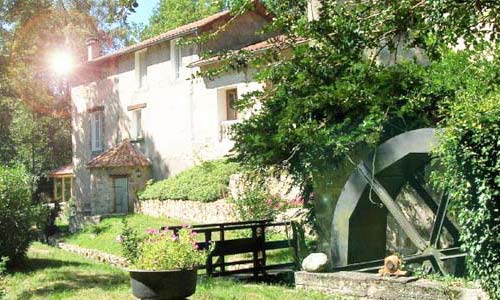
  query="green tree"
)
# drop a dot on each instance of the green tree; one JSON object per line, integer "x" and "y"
{"x": 170, "y": 14}
{"x": 360, "y": 73}
{"x": 35, "y": 124}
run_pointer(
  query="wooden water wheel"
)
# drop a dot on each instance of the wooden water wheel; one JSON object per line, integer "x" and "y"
{"x": 359, "y": 228}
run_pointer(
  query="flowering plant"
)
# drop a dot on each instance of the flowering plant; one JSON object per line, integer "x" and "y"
{"x": 165, "y": 250}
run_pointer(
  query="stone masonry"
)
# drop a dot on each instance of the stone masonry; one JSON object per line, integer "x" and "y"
{"x": 220, "y": 211}
{"x": 374, "y": 287}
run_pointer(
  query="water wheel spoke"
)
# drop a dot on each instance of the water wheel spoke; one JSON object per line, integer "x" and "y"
{"x": 437, "y": 264}
{"x": 393, "y": 208}
{"x": 431, "y": 203}
{"x": 439, "y": 218}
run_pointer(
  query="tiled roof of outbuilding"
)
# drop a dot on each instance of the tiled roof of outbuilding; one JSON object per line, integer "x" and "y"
{"x": 122, "y": 155}
{"x": 66, "y": 170}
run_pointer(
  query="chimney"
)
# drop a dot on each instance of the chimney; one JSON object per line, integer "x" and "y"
{"x": 313, "y": 7}
{"x": 93, "y": 49}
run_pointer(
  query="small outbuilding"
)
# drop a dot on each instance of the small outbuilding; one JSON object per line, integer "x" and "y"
{"x": 63, "y": 183}
{"x": 116, "y": 176}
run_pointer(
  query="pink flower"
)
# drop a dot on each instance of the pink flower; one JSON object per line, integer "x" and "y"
{"x": 269, "y": 201}
{"x": 152, "y": 231}
{"x": 175, "y": 237}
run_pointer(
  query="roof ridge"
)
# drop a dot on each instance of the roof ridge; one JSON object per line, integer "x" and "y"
{"x": 177, "y": 32}
{"x": 123, "y": 154}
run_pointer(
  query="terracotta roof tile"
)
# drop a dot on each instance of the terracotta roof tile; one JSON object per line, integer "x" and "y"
{"x": 122, "y": 155}
{"x": 179, "y": 31}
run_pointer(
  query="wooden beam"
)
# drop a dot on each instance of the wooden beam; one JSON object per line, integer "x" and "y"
{"x": 393, "y": 208}
{"x": 71, "y": 186}
{"x": 55, "y": 189}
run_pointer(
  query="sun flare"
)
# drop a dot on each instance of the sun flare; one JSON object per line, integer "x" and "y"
{"x": 62, "y": 62}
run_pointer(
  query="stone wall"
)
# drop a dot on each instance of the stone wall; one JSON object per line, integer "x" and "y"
{"x": 374, "y": 287}
{"x": 106, "y": 258}
{"x": 196, "y": 211}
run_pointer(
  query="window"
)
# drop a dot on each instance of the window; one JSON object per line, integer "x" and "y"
{"x": 176, "y": 58}
{"x": 141, "y": 68}
{"x": 96, "y": 129}
{"x": 137, "y": 124}
{"x": 231, "y": 98}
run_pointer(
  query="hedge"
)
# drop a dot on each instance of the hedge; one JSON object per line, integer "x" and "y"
{"x": 206, "y": 182}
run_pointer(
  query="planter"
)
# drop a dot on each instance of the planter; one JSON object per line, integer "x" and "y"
{"x": 163, "y": 285}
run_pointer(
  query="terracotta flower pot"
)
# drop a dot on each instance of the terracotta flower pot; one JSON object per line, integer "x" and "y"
{"x": 163, "y": 285}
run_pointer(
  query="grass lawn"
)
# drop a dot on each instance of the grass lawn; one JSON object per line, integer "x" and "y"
{"x": 50, "y": 274}
{"x": 103, "y": 236}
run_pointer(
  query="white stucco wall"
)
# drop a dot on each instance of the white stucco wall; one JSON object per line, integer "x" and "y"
{"x": 181, "y": 120}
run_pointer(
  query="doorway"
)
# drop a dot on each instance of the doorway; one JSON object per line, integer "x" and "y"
{"x": 121, "y": 199}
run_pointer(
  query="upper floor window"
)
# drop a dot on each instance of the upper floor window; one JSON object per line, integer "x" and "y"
{"x": 137, "y": 124}
{"x": 96, "y": 130}
{"x": 176, "y": 51}
{"x": 141, "y": 68}
{"x": 231, "y": 99}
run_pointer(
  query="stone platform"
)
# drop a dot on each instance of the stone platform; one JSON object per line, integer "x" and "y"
{"x": 366, "y": 286}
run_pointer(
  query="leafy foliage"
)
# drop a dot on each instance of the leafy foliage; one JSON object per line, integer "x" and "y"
{"x": 163, "y": 250}
{"x": 256, "y": 204}
{"x": 130, "y": 242}
{"x": 470, "y": 153}
{"x": 3, "y": 265}
{"x": 35, "y": 124}
{"x": 359, "y": 73}
{"x": 17, "y": 214}
{"x": 206, "y": 182}
{"x": 170, "y": 14}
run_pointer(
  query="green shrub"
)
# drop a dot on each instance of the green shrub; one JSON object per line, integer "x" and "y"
{"x": 206, "y": 182}
{"x": 470, "y": 153}
{"x": 3, "y": 262}
{"x": 255, "y": 201}
{"x": 18, "y": 215}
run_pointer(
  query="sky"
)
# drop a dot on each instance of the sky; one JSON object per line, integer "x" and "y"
{"x": 144, "y": 11}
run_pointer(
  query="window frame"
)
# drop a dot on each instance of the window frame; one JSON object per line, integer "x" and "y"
{"x": 231, "y": 116}
{"x": 96, "y": 131}
{"x": 137, "y": 125}
{"x": 141, "y": 69}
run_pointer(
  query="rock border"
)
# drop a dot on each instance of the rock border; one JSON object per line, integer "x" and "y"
{"x": 93, "y": 254}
